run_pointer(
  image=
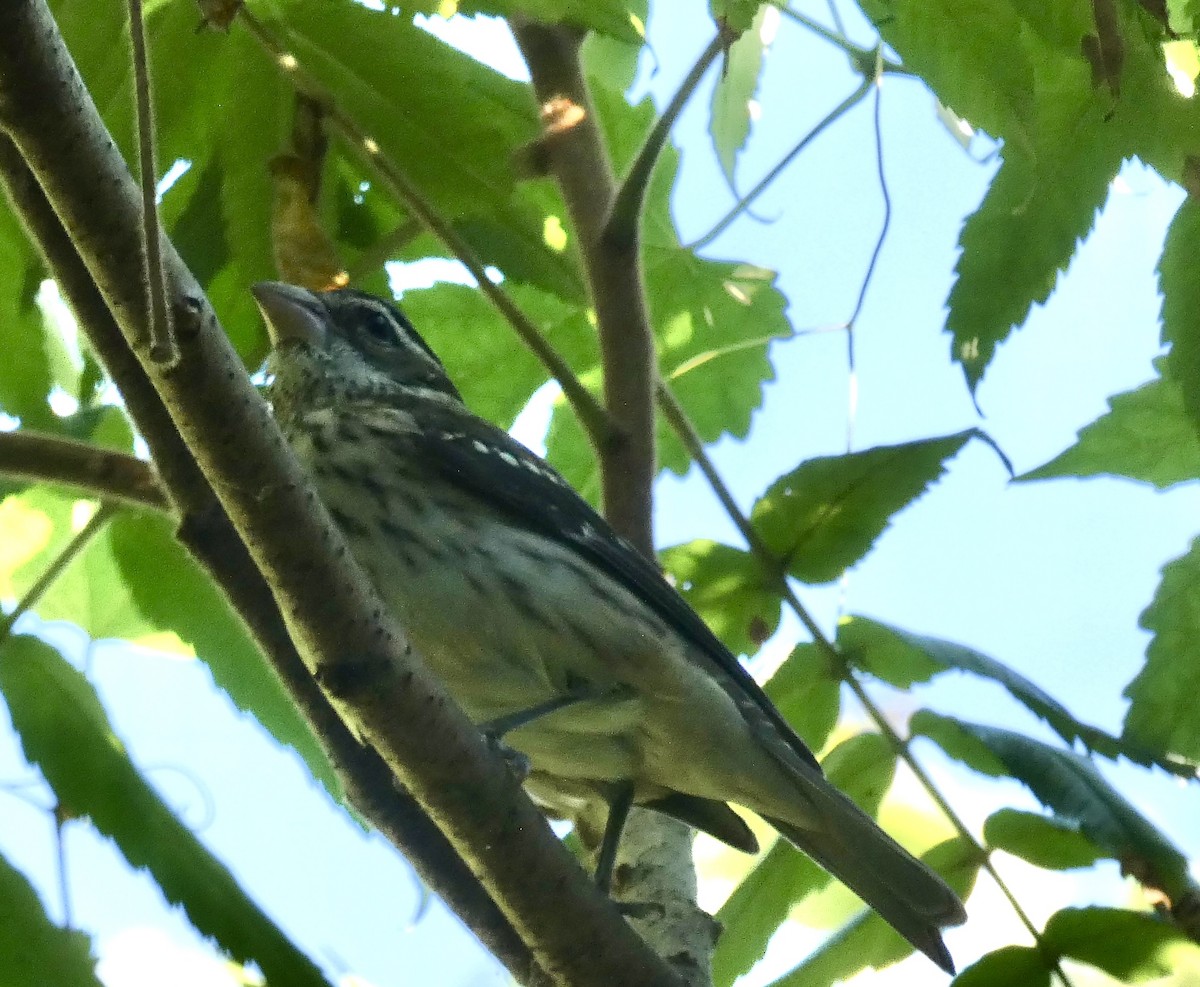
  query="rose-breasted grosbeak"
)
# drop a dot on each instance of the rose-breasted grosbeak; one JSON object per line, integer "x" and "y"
{"x": 543, "y": 623}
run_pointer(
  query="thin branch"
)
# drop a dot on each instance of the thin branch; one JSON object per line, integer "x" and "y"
{"x": 868, "y": 277}
{"x": 162, "y": 334}
{"x": 99, "y": 472}
{"x": 57, "y": 567}
{"x": 860, "y": 58}
{"x": 596, "y": 421}
{"x": 340, "y": 626}
{"x": 622, "y": 226}
{"x": 744, "y": 203}
{"x": 677, "y": 418}
{"x": 657, "y": 850}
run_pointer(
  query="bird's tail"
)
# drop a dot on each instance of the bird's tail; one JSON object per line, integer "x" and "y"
{"x": 907, "y": 894}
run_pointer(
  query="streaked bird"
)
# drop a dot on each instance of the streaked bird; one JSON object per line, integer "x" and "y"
{"x": 545, "y": 626}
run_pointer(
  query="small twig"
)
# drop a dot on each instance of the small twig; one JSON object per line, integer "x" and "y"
{"x": 621, "y": 228}
{"x": 100, "y": 472}
{"x": 859, "y": 57}
{"x": 595, "y": 419}
{"x": 852, "y": 322}
{"x": 57, "y": 567}
{"x": 744, "y": 203}
{"x": 162, "y": 335}
{"x": 677, "y": 418}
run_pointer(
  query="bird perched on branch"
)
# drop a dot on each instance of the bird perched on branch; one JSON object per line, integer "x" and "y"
{"x": 548, "y": 629}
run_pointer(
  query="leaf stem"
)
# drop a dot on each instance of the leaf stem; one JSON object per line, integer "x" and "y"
{"x": 677, "y": 418}
{"x": 745, "y": 201}
{"x": 162, "y": 333}
{"x": 58, "y": 566}
{"x": 622, "y": 225}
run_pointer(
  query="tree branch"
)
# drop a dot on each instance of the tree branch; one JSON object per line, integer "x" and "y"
{"x": 577, "y": 159}
{"x": 338, "y": 623}
{"x": 98, "y": 472}
{"x": 655, "y": 852}
{"x": 621, "y": 230}
{"x": 210, "y": 537}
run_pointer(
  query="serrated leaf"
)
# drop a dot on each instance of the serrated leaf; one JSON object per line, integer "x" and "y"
{"x": 171, "y": 593}
{"x": 726, "y": 586}
{"x": 1070, "y": 785}
{"x": 1015, "y": 69}
{"x": 1146, "y": 435}
{"x": 1162, "y": 711}
{"x": 63, "y": 729}
{"x": 953, "y": 737}
{"x": 868, "y": 941}
{"x": 1007, "y": 967}
{"x": 473, "y": 340}
{"x": 862, "y": 767}
{"x": 1045, "y": 842}
{"x": 824, "y": 516}
{"x": 729, "y": 115}
{"x": 903, "y": 658}
{"x": 1133, "y": 947}
{"x": 33, "y": 949}
{"x": 808, "y": 694}
{"x": 1180, "y": 316}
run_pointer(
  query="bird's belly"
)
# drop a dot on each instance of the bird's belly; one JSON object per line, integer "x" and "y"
{"x": 465, "y": 600}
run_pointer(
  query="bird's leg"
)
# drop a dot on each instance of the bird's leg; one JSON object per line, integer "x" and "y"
{"x": 618, "y": 812}
{"x": 494, "y": 730}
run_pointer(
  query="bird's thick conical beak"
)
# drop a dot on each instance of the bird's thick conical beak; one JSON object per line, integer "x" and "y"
{"x": 291, "y": 313}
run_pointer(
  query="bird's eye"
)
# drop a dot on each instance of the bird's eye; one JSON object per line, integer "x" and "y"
{"x": 380, "y": 328}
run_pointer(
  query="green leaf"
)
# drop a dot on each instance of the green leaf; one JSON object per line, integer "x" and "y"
{"x": 1045, "y": 842}
{"x": 808, "y": 694}
{"x": 33, "y": 950}
{"x": 1015, "y": 70}
{"x": 473, "y": 340}
{"x": 611, "y": 17}
{"x": 952, "y": 736}
{"x": 862, "y": 767}
{"x": 824, "y": 516}
{"x": 1162, "y": 711}
{"x": 729, "y": 120}
{"x": 1146, "y": 435}
{"x": 868, "y": 941}
{"x": 1008, "y": 966}
{"x": 90, "y": 593}
{"x": 172, "y": 593}
{"x": 902, "y": 658}
{"x": 726, "y": 586}
{"x": 1070, "y": 785}
{"x": 23, "y": 395}
{"x": 64, "y": 731}
{"x": 1180, "y": 314}
{"x": 1133, "y": 947}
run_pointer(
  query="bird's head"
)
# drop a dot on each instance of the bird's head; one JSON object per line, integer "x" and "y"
{"x": 344, "y": 346}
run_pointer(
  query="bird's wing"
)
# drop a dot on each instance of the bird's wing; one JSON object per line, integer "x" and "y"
{"x": 509, "y": 478}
